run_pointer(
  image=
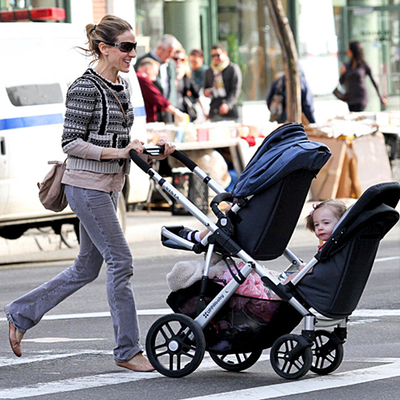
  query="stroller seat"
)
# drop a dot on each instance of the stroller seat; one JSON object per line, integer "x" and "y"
{"x": 344, "y": 264}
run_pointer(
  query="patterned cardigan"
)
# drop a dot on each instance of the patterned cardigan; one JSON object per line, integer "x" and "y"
{"x": 94, "y": 115}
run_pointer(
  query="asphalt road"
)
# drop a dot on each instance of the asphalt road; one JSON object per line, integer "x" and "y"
{"x": 68, "y": 355}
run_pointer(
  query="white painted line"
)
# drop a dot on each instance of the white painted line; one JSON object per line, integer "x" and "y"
{"x": 387, "y": 259}
{"x": 333, "y": 381}
{"x": 87, "y": 382}
{"x": 375, "y": 313}
{"x": 162, "y": 311}
{"x": 104, "y": 314}
{"x": 48, "y": 356}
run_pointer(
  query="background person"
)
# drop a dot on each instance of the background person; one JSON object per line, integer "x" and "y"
{"x": 223, "y": 84}
{"x": 352, "y": 77}
{"x": 307, "y": 97}
{"x": 166, "y": 77}
{"x": 153, "y": 99}
{"x": 96, "y": 139}
{"x": 196, "y": 61}
{"x": 186, "y": 88}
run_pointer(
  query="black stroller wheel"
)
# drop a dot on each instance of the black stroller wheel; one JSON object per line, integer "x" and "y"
{"x": 327, "y": 355}
{"x": 291, "y": 357}
{"x": 175, "y": 345}
{"x": 236, "y": 362}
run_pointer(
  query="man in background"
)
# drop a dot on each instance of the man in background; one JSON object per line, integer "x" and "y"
{"x": 223, "y": 84}
{"x": 166, "y": 77}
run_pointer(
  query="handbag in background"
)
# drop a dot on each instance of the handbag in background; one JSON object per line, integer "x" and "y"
{"x": 51, "y": 190}
{"x": 340, "y": 93}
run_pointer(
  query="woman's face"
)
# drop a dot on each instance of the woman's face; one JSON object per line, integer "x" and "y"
{"x": 118, "y": 59}
{"x": 349, "y": 53}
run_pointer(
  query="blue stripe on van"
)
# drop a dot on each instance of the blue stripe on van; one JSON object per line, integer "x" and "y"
{"x": 26, "y": 122}
{"x": 140, "y": 111}
{"x": 50, "y": 119}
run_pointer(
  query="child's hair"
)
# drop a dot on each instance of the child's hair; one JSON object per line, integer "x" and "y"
{"x": 336, "y": 206}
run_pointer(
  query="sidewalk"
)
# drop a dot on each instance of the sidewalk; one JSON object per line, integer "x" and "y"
{"x": 142, "y": 226}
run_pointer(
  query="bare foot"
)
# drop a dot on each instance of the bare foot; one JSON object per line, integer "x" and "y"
{"x": 15, "y": 339}
{"x": 138, "y": 363}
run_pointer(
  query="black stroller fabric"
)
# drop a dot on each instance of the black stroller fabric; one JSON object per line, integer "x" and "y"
{"x": 279, "y": 176}
{"x": 337, "y": 282}
{"x": 243, "y": 324}
{"x": 285, "y": 150}
{"x": 265, "y": 225}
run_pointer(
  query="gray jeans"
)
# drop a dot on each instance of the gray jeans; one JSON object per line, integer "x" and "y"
{"x": 101, "y": 238}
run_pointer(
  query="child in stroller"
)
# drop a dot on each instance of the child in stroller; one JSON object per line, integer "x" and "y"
{"x": 269, "y": 197}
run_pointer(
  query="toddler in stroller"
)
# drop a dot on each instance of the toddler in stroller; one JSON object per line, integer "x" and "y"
{"x": 267, "y": 202}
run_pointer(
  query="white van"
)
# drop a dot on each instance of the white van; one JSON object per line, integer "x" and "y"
{"x": 39, "y": 61}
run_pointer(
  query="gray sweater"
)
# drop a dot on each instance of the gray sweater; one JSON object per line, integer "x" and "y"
{"x": 94, "y": 115}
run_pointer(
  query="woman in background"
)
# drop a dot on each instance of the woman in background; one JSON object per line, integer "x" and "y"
{"x": 353, "y": 75}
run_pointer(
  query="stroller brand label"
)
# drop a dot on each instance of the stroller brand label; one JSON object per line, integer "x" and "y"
{"x": 171, "y": 192}
{"x": 207, "y": 313}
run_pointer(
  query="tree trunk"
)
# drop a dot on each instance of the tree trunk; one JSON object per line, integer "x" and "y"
{"x": 289, "y": 52}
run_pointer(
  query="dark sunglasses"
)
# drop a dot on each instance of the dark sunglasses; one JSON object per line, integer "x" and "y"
{"x": 179, "y": 59}
{"x": 125, "y": 47}
{"x": 215, "y": 55}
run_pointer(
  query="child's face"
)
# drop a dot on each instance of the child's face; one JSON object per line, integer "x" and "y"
{"x": 324, "y": 222}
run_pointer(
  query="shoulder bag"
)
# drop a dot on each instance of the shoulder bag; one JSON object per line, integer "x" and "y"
{"x": 51, "y": 190}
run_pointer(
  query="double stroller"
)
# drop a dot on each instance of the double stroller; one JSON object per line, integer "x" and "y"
{"x": 266, "y": 203}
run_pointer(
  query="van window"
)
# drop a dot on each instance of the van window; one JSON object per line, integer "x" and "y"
{"x": 31, "y": 95}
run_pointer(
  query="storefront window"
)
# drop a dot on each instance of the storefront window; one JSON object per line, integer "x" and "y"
{"x": 244, "y": 28}
{"x": 149, "y": 24}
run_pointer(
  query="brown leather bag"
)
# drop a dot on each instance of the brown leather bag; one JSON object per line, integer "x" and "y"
{"x": 51, "y": 190}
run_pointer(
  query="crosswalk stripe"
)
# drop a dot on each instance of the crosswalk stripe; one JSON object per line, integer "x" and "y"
{"x": 359, "y": 376}
{"x": 391, "y": 369}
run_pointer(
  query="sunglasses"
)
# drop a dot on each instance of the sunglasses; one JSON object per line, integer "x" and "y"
{"x": 215, "y": 55}
{"x": 179, "y": 59}
{"x": 124, "y": 47}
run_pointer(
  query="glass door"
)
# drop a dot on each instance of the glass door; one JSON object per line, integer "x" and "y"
{"x": 378, "y": 28}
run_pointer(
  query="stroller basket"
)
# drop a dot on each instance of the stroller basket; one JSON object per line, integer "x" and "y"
{"x": 242, "y": 325}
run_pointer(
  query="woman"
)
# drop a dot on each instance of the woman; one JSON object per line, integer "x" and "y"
{"x": 352, "y": 76}
{"x": 187, "y": 90}
{"x": 96, "y": 138}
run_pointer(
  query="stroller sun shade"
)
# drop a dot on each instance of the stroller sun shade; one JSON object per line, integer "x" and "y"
{"x": 279, "y": 176}
{"x": 285, "y": 150}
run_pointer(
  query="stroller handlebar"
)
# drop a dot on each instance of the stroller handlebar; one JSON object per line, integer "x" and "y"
{"x": 185, "y": 160}
{"x": 157, "y": 150}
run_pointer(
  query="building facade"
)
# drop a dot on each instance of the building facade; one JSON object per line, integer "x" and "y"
{"x": 244, "y": 27}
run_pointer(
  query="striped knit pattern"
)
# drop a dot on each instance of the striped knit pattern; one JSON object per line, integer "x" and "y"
{"x": 94, "y": 115}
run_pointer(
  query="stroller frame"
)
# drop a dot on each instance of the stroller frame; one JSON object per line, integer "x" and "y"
{"x": 184, "y": 346}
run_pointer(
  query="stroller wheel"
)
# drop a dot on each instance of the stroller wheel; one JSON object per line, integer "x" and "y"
{"x": 175, "y": 345}
{"x": 291, "y": 356}
{"x": 236, "y": 362}
{"x": 327, "y": 354}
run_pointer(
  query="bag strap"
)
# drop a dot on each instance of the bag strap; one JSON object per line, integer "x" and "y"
{"x": 105, "y": 84}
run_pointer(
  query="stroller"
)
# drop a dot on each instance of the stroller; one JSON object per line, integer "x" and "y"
{"x": 266, "y": 203}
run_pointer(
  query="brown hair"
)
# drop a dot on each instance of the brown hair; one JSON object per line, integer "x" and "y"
{"x": 107, "y": 30}
{"x": 197, "y": 53}
{"x": 336, "y": 206}
{"x": 219, "y": 46}
{"x": 148, "y": 61}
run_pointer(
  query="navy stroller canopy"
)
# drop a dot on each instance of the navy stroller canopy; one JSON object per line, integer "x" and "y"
{"x": 285, "y": 150}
